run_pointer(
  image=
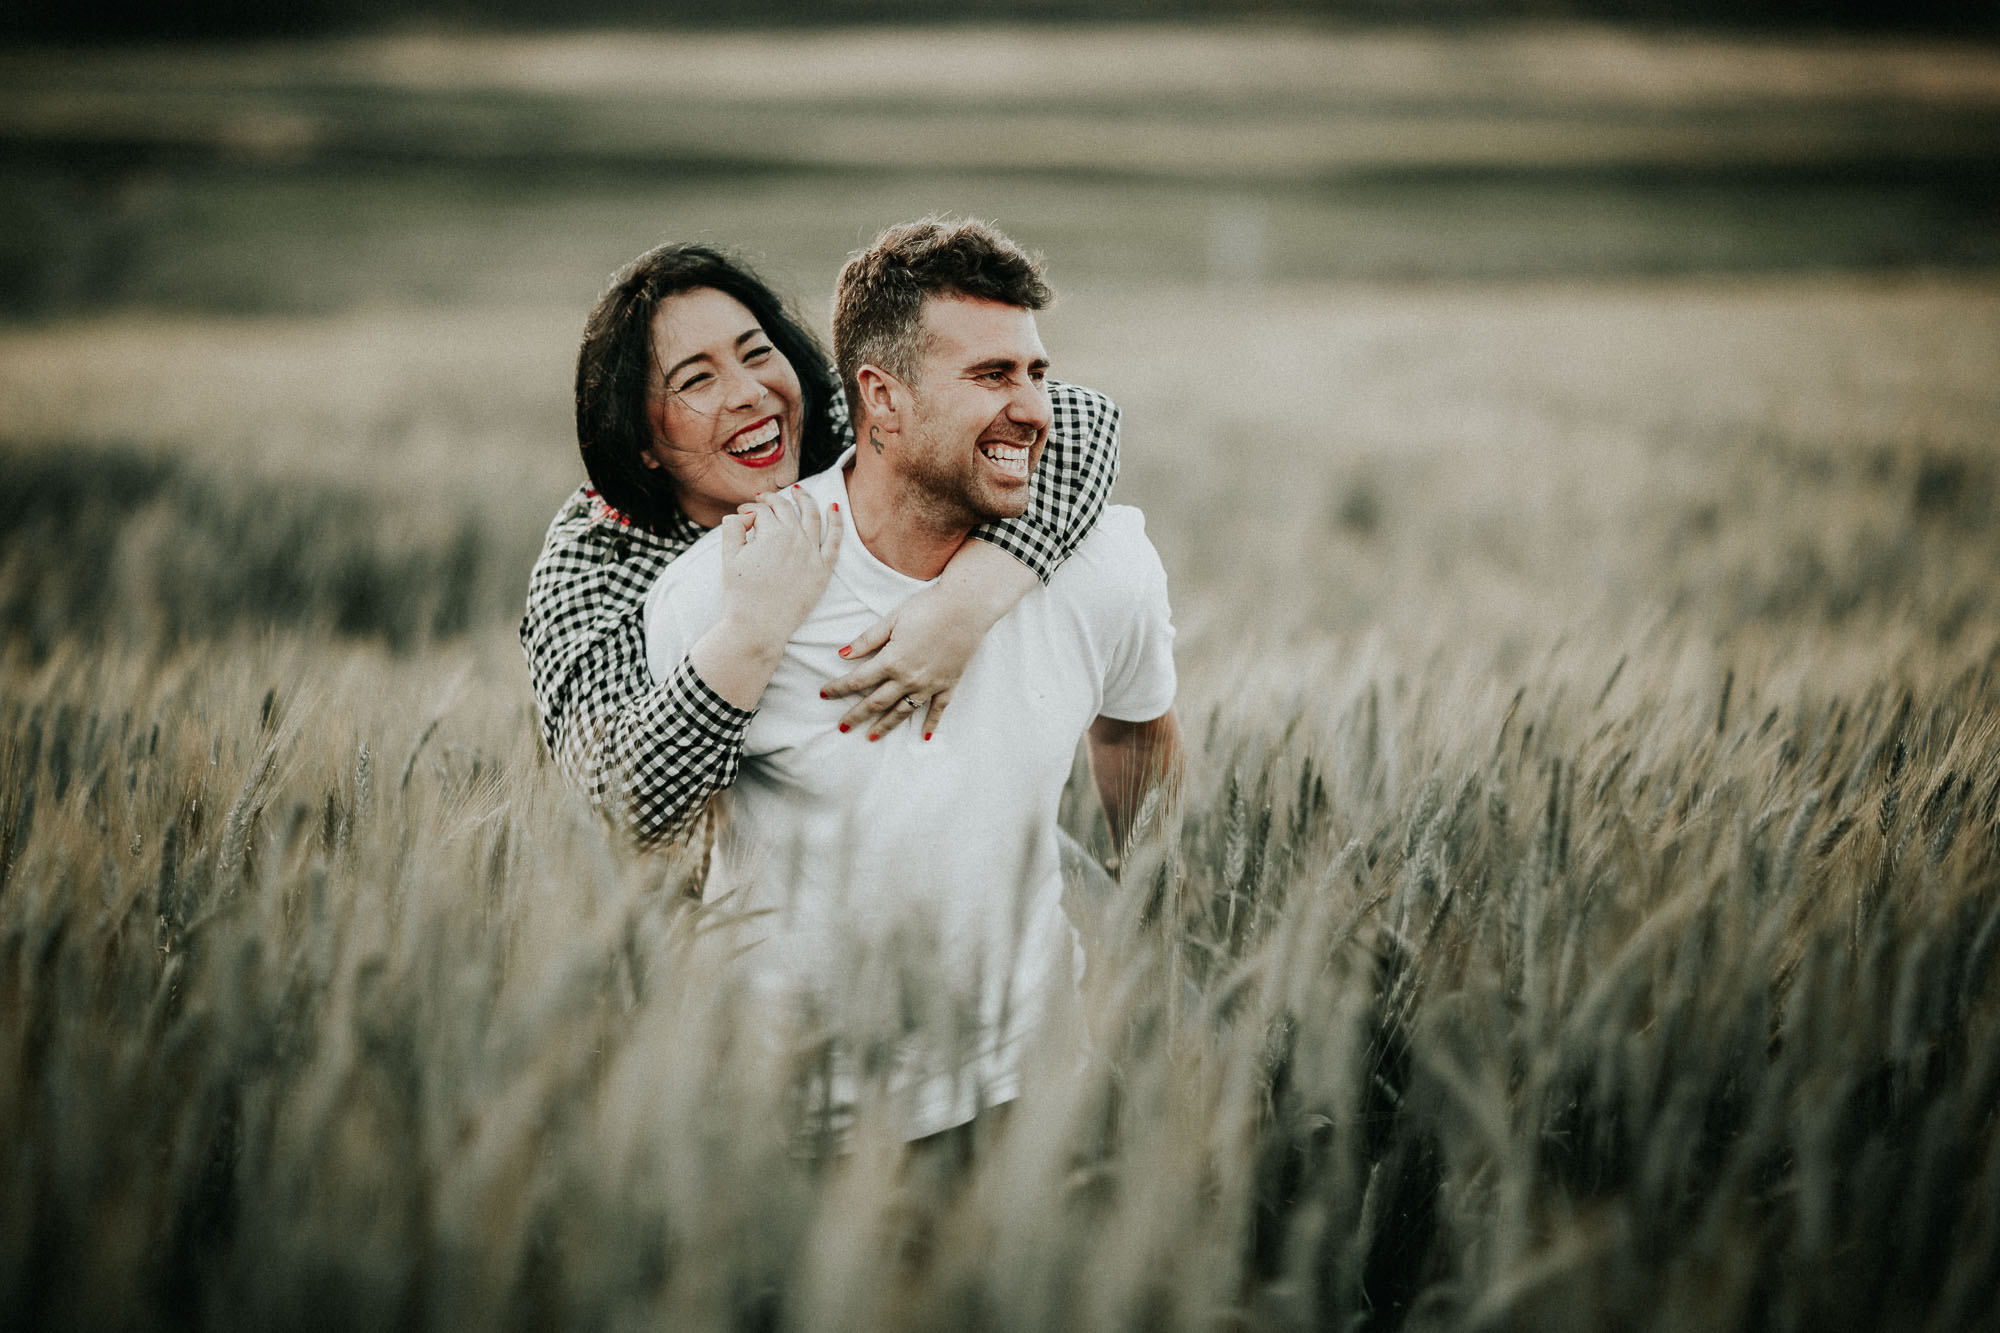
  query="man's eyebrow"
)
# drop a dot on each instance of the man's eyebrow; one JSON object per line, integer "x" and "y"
{"x": 1005, "y": 363}
{"x": 752, "y": 332}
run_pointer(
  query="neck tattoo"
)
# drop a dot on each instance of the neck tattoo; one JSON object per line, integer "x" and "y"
{"x": 875, "y": 439}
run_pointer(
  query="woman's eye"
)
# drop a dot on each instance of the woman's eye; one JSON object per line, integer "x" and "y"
{"x": 756, "y": 354}
{"x": 691, "y": 382}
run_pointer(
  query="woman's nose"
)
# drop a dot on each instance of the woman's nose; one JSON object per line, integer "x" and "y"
{"x": 742, "y": 389}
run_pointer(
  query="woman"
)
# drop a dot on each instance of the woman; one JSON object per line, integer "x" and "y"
{"x": 696, "y": 392}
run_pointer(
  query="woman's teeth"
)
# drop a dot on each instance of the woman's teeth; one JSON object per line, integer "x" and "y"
{"x": 755, "y": 441}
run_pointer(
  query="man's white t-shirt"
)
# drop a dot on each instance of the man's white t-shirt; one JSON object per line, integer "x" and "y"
{"x": 846, "y": 847}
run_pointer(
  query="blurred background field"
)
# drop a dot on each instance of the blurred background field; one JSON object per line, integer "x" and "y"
{"x": 1364, "y": 273}
{"x": 1503, "y": 399}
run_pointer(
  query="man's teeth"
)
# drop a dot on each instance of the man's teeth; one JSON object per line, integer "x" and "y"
{"x": 757, "y": 439}
{"x": 1011, "y": 457}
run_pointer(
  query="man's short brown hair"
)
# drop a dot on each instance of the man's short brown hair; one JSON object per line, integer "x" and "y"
{"x": 878, "y": 302}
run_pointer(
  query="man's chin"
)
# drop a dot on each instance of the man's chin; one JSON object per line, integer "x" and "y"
{"x": 998, "y": 507}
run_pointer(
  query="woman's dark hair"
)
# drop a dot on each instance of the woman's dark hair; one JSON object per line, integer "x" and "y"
{"x": 615, "y": 369}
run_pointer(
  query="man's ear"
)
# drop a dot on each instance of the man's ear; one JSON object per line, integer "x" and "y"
{"x": 883, "y": 398}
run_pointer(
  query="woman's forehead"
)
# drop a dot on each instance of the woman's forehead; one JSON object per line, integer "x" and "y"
{"x": 698, "y": 319}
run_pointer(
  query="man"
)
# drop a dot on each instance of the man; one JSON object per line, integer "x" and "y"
{"x": 936, "y": 854}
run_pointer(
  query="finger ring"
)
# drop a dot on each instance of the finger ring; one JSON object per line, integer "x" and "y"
{"x": 911, "y": 702}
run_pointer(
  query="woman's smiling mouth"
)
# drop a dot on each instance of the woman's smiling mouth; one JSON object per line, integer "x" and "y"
{"x": 758, "y": 445}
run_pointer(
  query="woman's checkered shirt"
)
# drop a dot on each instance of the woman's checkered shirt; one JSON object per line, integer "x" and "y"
{"x": 649, "y": 756}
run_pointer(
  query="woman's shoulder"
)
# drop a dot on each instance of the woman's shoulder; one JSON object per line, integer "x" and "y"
{"x": 594, "y": 552}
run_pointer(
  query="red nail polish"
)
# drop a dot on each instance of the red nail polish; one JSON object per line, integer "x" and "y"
{"x": 843, "y": 728}
{"x": 927, "y": 735}
{"x": 846, "y": 650}
{"x": 836, "y": 506}
{"x": 873, "y": 737}
{"x": 822, "y": 694}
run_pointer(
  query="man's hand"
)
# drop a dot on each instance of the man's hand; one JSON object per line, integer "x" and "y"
{"x": 1129, "y": 760}
{"x": 920, "y": 650}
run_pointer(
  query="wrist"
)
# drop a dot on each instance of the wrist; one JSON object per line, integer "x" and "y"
{"x": 987, "y": 601}
{"x": 752, "y": 637}
{"x": 736, "y": 661}
{"x": 986, "y": 583}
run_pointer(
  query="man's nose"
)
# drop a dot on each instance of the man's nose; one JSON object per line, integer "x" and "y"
{"x": 1029, "y": 406}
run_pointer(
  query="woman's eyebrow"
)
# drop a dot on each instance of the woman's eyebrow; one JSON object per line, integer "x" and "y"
{"x": 682, "y": 364}
{"x": 752, "y": 332}
{"x": 689, "y": 361}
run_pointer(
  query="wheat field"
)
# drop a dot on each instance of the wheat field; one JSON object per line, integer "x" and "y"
{"x": 1583, "y": 912}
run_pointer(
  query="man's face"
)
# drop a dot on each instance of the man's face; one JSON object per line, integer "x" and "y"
{"x": 980, "y": 412}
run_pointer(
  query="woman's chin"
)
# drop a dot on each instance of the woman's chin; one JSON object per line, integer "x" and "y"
{"x": 778, "y": 474}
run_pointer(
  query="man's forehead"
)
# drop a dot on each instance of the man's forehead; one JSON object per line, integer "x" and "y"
{"x": 970, "y": 329}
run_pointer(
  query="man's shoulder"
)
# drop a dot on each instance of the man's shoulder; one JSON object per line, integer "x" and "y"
{"x": 1115, "y": 575}
{"x": 692, "y": 581}
{"x": 1117, "y": 548}
{"x": 1112, "y": 596}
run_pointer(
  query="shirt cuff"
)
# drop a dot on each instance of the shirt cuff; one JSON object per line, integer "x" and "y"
{"x": 687, "y": 694}
{"x": 1027, "y": 541}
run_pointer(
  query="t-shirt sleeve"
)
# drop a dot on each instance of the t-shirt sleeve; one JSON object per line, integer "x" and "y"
{"x": 1139, "y": 678}
{"x": 680, "y": 608}
{"x": 665, "y": 644}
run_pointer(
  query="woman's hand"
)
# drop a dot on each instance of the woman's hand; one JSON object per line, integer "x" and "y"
{"x": 921, "y": 649}
{"x": 777, "y": 555}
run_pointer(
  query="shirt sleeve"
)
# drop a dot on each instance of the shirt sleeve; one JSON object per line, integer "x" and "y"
{"x": 837, "y": 419}
{"x": 1067, "y": 494}
{"x": 645, "y": 756}
{"x": 655, "y": 760}
{"x": 1139, "y": 678}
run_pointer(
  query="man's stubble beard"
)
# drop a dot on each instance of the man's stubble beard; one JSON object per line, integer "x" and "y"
{"x": 943, "y": 485}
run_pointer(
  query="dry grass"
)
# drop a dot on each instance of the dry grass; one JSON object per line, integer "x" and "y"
{"x": 1585, "y": 911}
{"x": 1586, "y": 907}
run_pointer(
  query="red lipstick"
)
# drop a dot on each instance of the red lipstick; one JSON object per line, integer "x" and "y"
{"x": 757, "y": 458}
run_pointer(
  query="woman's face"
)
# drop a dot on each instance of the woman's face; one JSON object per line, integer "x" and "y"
{"x": 726, "y": 409}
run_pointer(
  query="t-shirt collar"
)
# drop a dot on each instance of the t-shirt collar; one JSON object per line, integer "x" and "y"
{"x": 877, "y": 586}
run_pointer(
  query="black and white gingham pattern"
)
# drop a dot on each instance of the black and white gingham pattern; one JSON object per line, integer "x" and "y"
{"x": 649, "y": 757}
{"x": 1079, "y": 463}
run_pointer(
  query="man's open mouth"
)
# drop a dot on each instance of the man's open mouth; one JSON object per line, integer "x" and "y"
{"x": 758, "y": 446}
{"x": 1011, "y": 459}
